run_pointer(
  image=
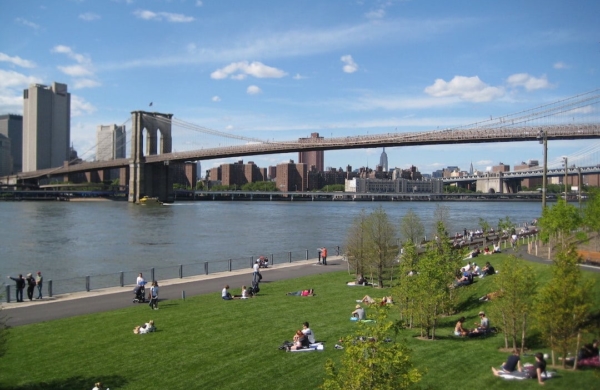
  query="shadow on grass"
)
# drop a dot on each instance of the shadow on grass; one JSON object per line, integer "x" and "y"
{"x": 72, "y": 383}
{"x": 469, "y": 303}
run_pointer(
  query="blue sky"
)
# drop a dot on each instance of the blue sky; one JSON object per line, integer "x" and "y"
{"x": 280, "y": 70}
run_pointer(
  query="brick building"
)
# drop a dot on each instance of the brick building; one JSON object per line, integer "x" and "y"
{"x": 311, "y": 158}
{"x": 292, "y": 177}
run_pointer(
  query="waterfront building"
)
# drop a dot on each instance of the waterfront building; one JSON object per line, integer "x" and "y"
{"x": 500, "y": 168}
{"x": 110, "y": 142}
{"x": 398, "y": 186}
{"x": 46, "y": 126}
{"x": 532, "y": 182}
{"x": 6, "y": 161}
{"x": 11, "y": 126}
{"x": 292, "y": 176}
{"x": 185, "y": 174}
{"x": 383, "y": 161}
{"x": 314, "y": 158}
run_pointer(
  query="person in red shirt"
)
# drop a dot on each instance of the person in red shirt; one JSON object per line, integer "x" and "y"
{"x": 324, "y": 255}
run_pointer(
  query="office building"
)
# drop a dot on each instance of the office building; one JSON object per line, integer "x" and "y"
{"x": 11, "y": 126}
{"x": 6, "y": 161}
{"x": 110, "y": 142}
{"x": 292, "y": 177}
{"x": 311, "y": 158}
{"x": 383, "y": 161}
{"x": 46, "y": 126}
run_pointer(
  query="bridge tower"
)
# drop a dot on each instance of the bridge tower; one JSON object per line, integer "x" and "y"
{"x": 153, "y": 180}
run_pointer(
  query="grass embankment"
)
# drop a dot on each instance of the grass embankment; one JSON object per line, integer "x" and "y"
{"x": 207, "y": 343}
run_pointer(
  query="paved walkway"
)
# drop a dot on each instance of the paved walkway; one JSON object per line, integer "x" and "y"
{"x": 75, "y": 304}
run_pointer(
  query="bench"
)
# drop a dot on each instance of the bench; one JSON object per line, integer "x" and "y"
{"x": 590, "y": 257}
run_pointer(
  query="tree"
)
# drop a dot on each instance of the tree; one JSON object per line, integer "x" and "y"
{"x": 3, "y": 329}
{"x": 441, "y": 214}
{"x": 558, "y": 224}
{"x": 514, "y": 304}
{"x": 411, "y": 228}
{"x": 368, "y": 362}
{"x": 381, "y": 242}
{"x": 562, "y": 307}
{"x": 407, "y": 289}
{"x": 199, "y": 185}
{"x": 356, "y": 244}
{"x": 591, "y": 214}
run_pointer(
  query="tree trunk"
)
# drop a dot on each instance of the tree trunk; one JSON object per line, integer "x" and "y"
{"x": 523, "y": 330}
{"x": 504, "y": 332}
{"x": 577, "y": 350}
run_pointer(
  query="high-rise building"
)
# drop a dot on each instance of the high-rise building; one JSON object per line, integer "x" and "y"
{"x": 311, "y": 158}
{"x": 11, "y": 126}
{"x": 46, "y": 126}
{"x": 383, "y": 161}
{"x": 292, "y": 177}
{"x": 6, "y": 161}
{"x": 110, "y": 142}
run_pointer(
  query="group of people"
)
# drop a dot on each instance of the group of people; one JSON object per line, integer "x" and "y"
{"x": 481, "y": 328}
{"x": 145, "y": 328}
{"x": 512, "y": 366}
{"x": 465, "y": 276}
{"x": 31, "y": 282}
{"x": 247, "y": 292}
{"x": 303, "y": 338}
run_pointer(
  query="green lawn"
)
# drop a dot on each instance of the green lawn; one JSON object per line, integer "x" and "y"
{"x": 207, "y": 343}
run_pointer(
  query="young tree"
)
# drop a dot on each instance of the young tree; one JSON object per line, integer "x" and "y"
{"x": 356, "y": 244}
{"x": 562, "y": 307}
{"x": 381, "y": 243}
{"x": 406, "y": 291}
{"x": 368, "y": 362}
{"x": 441, "y": 214}
{"x": 591, "y": 214}
{"x": 558, "y": 224}
{"x": 411, "y": 228}
{"x": 513, "y": 306}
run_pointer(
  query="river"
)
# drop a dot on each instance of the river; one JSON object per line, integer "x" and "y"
{"x": 73, "y": 239}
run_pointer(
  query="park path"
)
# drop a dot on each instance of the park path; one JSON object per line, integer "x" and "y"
{"x": 101, "y": 300}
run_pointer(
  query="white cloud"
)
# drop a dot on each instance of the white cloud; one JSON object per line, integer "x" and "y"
{"x": 216, "y": 99}
{"x": 199, "y": 3}
{"x": 160, "y": 16}
{"x": 350, "y": 66}
{"x": 528, "y": 82}
{"x": 85, "y": 83}
{"x": 298, "y": 76}
{"x": 16, "y": 61}
{"x": 253, "y": 90}
{"x": 12, "y": 85}
{"x": 239, "y": 70}
{"x": 89, "y": 16}
{"x": 76, "y": 70}
{"x": 560, "y": 65}
{"x": 191, "y": 48}
{"x": 27, "y": 23}
{"x": 229, "y": 127}
{"x": 375, "y": 14}
{"x": 466, "y": 88}
{"x": 80, "y": 58}
{"x": 483, "y": 162}
{"x": 79, "y": 106}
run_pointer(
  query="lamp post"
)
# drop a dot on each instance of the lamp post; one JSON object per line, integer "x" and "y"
{"x": 543, "y": 139}
{"x": 566, "y": 160}
{"x": 579, "y": 185}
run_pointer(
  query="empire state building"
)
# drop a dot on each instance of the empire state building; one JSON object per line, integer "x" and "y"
{"x": 383, "y": 162}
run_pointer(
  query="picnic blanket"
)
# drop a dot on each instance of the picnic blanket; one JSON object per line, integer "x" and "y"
{"x": 360, "y": 285}
{"x": 311, "y": 348}
{"x": 589, "y": 362}
{"x": 523, "y": 375}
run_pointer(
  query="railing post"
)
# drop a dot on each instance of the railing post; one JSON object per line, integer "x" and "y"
{"x": 272, "y": 263}
{"x": 152, "y": 274}
{"x": 122, "y": 279}
{"x": 206, "y": 267}
{"x": 229, "y": 265}
{"x": 50, "y": 288}
{"x": 180, "y": 271}
{"x": 7, "y": 294}
{"x": 338, "y": 250}
{"x": 251, "y": 261}
{"x": 307, "y": 254}
{"x": 290, "y": 256}
{"x": 87, "y": 283}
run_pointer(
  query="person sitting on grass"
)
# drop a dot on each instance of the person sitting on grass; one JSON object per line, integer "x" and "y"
{"x": 512, "y": 363}
{"x": 302, "y": 293}
{"x": 300, "y": 341}
{"x": 359, "y": 313}
{"x": 458, "y": 328}
{"x": 244, "y": 294}
{"x": 98, "y": 386}
{"x": 225, "y": 293}
{"x": 497, "y": 247}
{"x": 483, "y": 327}
{"x": 487, "y": 270}
{"x": 308, "y": 332}
{"x": 486, "y": 251}
{"x": 475, "y": 271}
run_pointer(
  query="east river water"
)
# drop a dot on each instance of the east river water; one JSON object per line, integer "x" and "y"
{"x": 73, "y": 239}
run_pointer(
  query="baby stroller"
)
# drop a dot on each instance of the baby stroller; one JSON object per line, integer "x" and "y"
{"x": 140, "y": 294}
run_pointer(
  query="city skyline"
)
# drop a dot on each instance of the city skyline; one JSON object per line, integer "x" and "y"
{"x": 284, "y": 71}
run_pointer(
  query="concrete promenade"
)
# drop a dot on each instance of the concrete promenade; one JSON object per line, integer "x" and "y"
{"x": 75, "y": 304}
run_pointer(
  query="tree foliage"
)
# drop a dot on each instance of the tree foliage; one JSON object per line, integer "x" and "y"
{"x": 562, "y": 306}
{"x": 356, "y": 244}
{"x": 513, "y": 306}
{"x": 411, "y": 228}
{"x": 382, "y": 248}
{"x": 558, "y": 224}
{"x": 591, "y": 213}
{"x": 368, "y": 362}
{"x": 441, "y": 215}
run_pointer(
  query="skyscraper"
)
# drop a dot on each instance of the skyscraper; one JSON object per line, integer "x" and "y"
{"x": 11, "y": 126}
{"x": 110, "y": 142}
{"x": 383, "y": 161}
{"x": 313, "y": 157}
{"x": 46, "y": 126}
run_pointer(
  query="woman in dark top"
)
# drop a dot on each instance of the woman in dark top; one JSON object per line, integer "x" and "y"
{"x": 540, "y": 367}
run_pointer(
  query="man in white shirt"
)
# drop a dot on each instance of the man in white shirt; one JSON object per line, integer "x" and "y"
{"x": 140, "y": 280}
{"x": 308, "y": 333}
{"x": 256, "y": 275}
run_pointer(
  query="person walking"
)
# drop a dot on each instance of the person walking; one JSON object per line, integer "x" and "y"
{"x": 154, "y": 296}
{"x": 20, "y": 285}
{"x": 39, "y": 279}
{"x": 30, "y": 286}
{"x": 324, "y": 255}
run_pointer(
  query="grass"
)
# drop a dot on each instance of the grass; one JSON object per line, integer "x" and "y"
{"x": 207, "y": 343}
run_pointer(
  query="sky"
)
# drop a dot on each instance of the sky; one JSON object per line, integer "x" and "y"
{"x": 281, "y": 70}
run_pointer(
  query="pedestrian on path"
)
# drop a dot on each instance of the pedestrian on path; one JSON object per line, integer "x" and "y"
{"x": 324, "y": 255}
{"x": 30, "y": 286}
{"x": 39, "y": 279}
{"x": 154, "y": 296}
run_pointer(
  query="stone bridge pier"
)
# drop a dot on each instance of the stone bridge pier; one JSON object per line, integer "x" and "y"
{"x": 153, "y": 180}
{"x": 495, "y": 183}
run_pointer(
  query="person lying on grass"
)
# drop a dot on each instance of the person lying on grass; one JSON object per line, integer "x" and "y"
{"x": 384, "y": 301}
{"x": 146, "y": 328}
{"x": 303, "y": 293}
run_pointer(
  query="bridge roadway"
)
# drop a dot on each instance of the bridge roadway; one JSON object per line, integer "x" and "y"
{"x": 450, "y": 136}
{"x": 538, "y": 172}
{"x": 101, "y": 300}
